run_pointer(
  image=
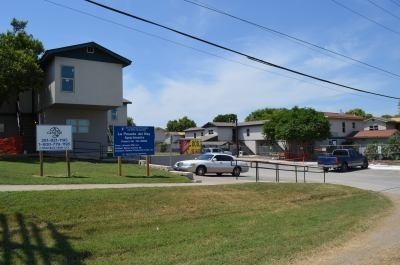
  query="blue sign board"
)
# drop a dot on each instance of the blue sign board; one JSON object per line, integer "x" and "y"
{"x": 133, "y": 140}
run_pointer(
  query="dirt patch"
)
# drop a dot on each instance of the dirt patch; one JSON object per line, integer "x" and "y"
{"x": 379, "y": 245}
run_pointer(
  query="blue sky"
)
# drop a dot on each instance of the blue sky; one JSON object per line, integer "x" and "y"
{"x": 172, "y": 76}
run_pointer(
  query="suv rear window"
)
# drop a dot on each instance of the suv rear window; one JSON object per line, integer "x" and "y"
{"x": 340, "y": 153}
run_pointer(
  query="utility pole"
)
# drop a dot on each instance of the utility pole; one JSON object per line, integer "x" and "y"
{"x": 237, "y": 137}
{"x": 398, "y": 107}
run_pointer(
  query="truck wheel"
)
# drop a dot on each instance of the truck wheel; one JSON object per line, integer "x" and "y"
{"x": 201, "y": 170}
{"x": 345, "y": 167}
{"x": 365, "y": 164}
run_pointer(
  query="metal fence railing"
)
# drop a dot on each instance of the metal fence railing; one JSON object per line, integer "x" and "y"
{"x": 300, "y": 170}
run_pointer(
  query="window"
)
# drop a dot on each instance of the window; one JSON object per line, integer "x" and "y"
{"x": 90, "y": 49}
{"x": 194, "y": 135}
{"x": 114, "y": 114}
{"x": 373, "y": 127}
{"x": 201, "y": 134}
{"x": 343, "y": 127}
{"x": 248, "y": 132}
{"x": 223, "y": 158}
{"x": 354, "y": 125}
{"x": 210, "y": 131}
{"x": 79, "y": 125}
{"x": 67, "y": 78}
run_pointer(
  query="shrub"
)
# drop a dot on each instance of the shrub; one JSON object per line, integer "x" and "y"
{"x": 371, "y": 152}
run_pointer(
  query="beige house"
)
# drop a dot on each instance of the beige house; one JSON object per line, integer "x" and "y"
{"x": 341, "y": 125}
{"x": 82, "y": 88}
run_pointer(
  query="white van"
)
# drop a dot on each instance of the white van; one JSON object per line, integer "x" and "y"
{"x": 216, "y": 150}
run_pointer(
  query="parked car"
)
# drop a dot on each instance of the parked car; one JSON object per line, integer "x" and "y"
{"x": 213, "y": 163}
{"x": 343, "y": 159}
{"x": 215, "y": 150}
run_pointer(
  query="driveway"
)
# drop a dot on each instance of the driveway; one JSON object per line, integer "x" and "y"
{"x": 379, "y": 179}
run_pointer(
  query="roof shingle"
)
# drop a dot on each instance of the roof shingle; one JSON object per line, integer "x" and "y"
{"x": 373, "y": 134}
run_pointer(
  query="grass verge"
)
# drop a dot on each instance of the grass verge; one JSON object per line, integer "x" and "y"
{"x": 258, "y": 223}
{"x": 25, "y": 170}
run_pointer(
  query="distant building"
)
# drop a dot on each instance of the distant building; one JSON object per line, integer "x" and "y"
{"x": 223, "y": 135}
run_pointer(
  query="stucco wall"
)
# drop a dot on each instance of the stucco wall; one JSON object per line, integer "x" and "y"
{"x": 255, "y": 133}
{"x": 122, "y": 116}
{"x": 336, "y": 127}
{"x": 224, "y": 133}
{"x": 97, "y": 122}
{"x": 95, "y": 83}
{"x": 381, "y": 125}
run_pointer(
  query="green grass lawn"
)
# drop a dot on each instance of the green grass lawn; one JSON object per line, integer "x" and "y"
{"x": 25, "y": 170}
{"x": 258, "y": 223}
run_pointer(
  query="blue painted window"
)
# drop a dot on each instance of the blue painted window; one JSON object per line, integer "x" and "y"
{"x": 67, "y": 78}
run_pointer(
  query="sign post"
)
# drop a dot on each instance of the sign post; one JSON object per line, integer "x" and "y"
{"x": 120, "y": 166}
{"x": 133, "y": 140}
{"x": 41, "y": 162}
{"x": 54, "y": 138}
{"x": 68, "y": 163}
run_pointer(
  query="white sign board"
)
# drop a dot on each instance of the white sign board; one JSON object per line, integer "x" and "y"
{"x": 53, "y": 137}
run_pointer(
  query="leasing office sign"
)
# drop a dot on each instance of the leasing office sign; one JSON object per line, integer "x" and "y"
{"x": 53, "y": 137}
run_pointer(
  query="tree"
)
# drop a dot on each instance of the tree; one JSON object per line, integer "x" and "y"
{"x": 130, "y": 121}
{"x": 297, "y": 126}
{"x": 359, "y": 112}
{"x": 180, "y": 125}
{"x": 225, "y": 118}
{"x": 19, "y": 62}
{"x": 261, "y": 114}
{"x": 386, "y": 116}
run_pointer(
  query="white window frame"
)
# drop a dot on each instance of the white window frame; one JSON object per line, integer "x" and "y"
{"x": 69, "y": 79}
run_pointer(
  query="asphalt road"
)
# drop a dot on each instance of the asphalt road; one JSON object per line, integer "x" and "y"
{"x": 379, "y": 180}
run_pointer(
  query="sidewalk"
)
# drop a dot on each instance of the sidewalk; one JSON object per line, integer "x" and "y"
{"x": 199, "y": 181}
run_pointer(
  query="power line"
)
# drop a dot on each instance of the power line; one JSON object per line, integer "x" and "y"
{"x": 367, "y": 18}
{"x": 394, "y": 2}
{"x": 384, "y": 9}
{"x": 298, "y": 40}
{"x": 235, "y": 51}
{"x": 191, "y": 47}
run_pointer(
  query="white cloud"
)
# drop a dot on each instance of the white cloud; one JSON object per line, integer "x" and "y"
{"x": 216, "y": 86}
{"x": 234, "y": 89}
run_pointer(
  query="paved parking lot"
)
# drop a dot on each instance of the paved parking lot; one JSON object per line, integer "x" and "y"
{"x": 383, "y": 179}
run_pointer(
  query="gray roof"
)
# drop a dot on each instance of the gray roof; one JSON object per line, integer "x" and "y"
{"x": 219, "y": 124}
{"x": 215, "y": 143}
{"x": 252, "y": 123}
{"x": 78, "y": 51}
{"x": 194, "y": 129}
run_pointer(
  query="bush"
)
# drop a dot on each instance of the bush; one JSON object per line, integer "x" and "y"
{"x": 163, "y": 147}
{"x": 371, "y": 152}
